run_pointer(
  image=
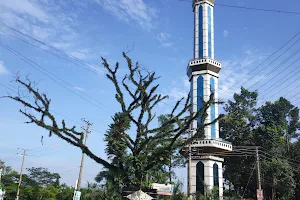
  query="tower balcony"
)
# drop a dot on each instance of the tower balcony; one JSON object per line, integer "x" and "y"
{"x": 203, "y": 146}
{"x": 203, "y": 64}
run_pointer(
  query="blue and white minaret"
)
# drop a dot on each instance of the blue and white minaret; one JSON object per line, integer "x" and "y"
{"x": 205, "y": 167}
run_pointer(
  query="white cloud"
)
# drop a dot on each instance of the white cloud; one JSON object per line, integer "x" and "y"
{"x": 79, "y": 89}
{"x": 177, "y": 90}
{"x": 25, "y": 7}
{"x": 236, "y": 73}
{"x": 225, "y": 33}
{"x": 164, "y": 39}
{"x": 82, "y": 54}
{"x": 167, "y": 44}
{"x": 127, "y": 10}
{"x": 163, "y": 36}
{"x": 88, "y": 54}
{"x": 48, "y": 21}
{"x": 41, "y": 19}
{"x": 3, "y": 69}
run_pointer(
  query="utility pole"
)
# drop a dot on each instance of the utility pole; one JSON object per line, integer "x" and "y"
{"x": 258, "y": 169}
{"x": 87, "y": 131}
{"x": 21, "y": 173}
{"x": 189, "y": 168}
{"x": 259, "y": 192}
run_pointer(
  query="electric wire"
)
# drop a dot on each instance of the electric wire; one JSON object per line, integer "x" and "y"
{"x": 255, "y": 69}
{"x": 251, "y": 8}
{"x": 44, "y": 149}
{"x": 273, "y": 61}
{"x": 41, "y": 70}
{"x": 76, "y": 122}
{"x": 84, "y": 65}
{"x": 10, "y": 157}
{"x": 293, "y": 163}
{"x": 47, "y": 153}
{"x": 73, "y": 58}
{"x": 282, "y": 81}
{"x": 51, "y": 47}
{"x": 72, "y": 169}
{"x": 249, "y": 180}
{"x": 263, "y": 78}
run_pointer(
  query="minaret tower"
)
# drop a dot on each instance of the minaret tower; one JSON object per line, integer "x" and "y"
{"x": 205, "y": 168}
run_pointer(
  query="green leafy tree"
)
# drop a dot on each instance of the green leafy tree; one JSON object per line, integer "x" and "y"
{"x": 295, "y": 158}
{"x": 65, "y": 192}
{"x": 43, "y": 177}
{"x": 237, "y": 126}
{"x": 9, "y": 181}
{"x": 271, "y": 126}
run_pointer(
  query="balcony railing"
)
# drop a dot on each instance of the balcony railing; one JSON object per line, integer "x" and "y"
{"x": 205, "y": 60}
{"x": 216, "y": 143}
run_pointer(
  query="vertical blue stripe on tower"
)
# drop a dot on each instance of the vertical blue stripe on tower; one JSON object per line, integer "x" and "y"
{"x": 209, "y": 31}
{"x": 191, "y": 96}
{"x": 212, "y": 109}
{"x": 200, "y": 32}
{"x": 194, "y": 53}
{"x": 200, "y": 96}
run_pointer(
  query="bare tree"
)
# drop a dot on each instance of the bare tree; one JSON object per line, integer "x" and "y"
{"x": 144, "y": 148}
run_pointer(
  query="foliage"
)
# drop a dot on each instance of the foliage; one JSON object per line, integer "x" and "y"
{"x": 43, "y": 177}
{"x": 40, "y": 184}
{"x": 272, "y": 126}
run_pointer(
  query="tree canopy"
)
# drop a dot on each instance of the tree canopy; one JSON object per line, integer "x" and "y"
{"x": 272, "y": 127}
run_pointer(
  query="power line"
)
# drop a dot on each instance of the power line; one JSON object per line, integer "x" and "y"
{"x": 259, "y": 71}
{"x": 289, "y": 92}
{"x": 41, "y": 70}
{"x": 10, "y": 157}
{"x": 264, "y": 61}
{"x": 255, "y": 69}
{"x": 249, "y": 180}
{"x": 72, "y": 169}
{"x": 47, "y": 153}
{"x": 293, "y": 162}
{"x": 251, "y": 8}
{"x": 259, "y": 9}
{"x": 277, "y": 67}
{"x": 71, "y": 59}
{"x": 42, "y": 150}
{"x": 50, "y": 46}
{"x": 76, "y": 122}
{"x": 283, "y": 80}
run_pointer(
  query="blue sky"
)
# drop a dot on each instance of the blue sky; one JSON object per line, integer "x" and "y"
{"x": 161, "y": 32}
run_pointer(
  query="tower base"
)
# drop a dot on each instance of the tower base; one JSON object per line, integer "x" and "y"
{"x": 206, "y": 175}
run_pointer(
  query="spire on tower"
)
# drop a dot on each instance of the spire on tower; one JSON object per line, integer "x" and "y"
{"x": 204, "y": 28}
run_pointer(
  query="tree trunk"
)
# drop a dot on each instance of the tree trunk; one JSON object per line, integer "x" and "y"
{"x": 273, "y": 190}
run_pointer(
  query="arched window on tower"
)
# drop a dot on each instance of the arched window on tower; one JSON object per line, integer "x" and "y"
{"x": 216, "y": 175}
{"x": 200, "y": 177}
{"x": 200, "y": 95}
